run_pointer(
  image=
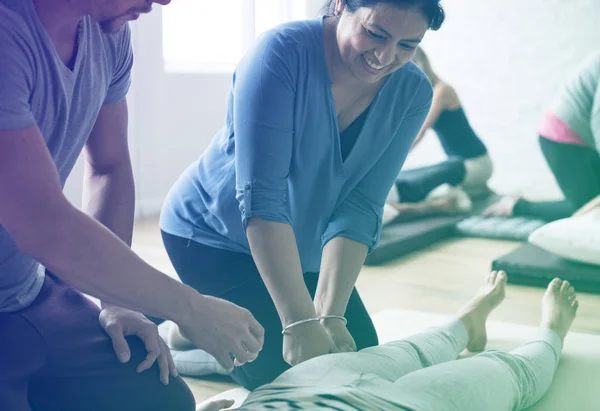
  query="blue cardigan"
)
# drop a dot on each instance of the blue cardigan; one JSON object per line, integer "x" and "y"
{"x": 278, "y": 157}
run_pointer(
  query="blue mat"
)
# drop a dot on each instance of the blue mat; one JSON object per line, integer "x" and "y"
{"x": 531, "y": 265}
{"x": 500, "y": 228}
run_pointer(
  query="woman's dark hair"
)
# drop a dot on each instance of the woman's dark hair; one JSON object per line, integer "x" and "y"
{"x": 431, "y": 9}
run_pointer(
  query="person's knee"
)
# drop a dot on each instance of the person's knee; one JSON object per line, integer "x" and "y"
{"x": 178, "y": 397}
{"x": 367, "y": 339}
{"x": 260, "y": 372}
{"x": 267, "y": 367}
{"x": 365, "y": 335}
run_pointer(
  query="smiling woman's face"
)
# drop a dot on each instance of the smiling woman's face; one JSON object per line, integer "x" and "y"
{"x": 376, "y": 41}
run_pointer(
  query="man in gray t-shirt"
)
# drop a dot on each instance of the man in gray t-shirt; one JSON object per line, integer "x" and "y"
{"x": 64, "y": 72}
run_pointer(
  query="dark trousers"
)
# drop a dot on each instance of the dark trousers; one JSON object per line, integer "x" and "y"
{"x": 55, "y": 356}
{"x": 234, "y": 277}
{"x": 577, "y": 172}
{"x": 414, "y": 184}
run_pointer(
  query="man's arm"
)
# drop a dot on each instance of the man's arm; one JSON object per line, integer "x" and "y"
{"x": 109, "y": 190}
{"x": 92, "y": 259}
{"x": 85, "y": 254}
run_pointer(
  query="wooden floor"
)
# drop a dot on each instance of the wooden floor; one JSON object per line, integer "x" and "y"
{"x": 438, "y": 280}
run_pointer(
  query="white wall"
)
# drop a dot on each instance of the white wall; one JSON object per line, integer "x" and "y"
{"x": 506, "y": 58}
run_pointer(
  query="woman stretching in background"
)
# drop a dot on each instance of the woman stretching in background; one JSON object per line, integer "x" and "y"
{"x": 570, "y": 139}
{"x": 468, "y": 164}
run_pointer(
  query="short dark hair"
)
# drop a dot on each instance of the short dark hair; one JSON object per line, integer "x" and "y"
{"x": 431, "y": 9}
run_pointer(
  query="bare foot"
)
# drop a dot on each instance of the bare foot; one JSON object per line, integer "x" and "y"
{"x": 559, "y": 307}
{"x": 445, "y": 205}
{"x": 475, "y": 313}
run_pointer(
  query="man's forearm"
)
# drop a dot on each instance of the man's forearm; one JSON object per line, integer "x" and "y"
{"x": 92, "y": 259}
{"x": 110, "y": 199}
{"x": 341, "y": 263}
{"x": 273, "y": 246}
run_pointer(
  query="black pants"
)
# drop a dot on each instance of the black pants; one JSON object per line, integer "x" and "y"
{"x": 55, "y": 356}
{"x": 577, "y": 172}
{"x": 414, "y": 184}
{"x": 234, "y": 277}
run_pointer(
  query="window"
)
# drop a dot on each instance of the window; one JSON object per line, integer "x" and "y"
{"x": 213, "y": 35}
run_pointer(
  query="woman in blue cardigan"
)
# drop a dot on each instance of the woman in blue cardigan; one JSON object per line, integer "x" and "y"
{"x": 280, "y": 211}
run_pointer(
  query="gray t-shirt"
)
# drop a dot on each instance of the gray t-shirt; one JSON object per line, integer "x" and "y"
{"x": 36, "y": 87}
{"x": 578, "y": 102}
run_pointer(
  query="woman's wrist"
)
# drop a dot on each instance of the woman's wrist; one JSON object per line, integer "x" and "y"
{"x": 327, "y": 305}
{"x": 318, "y": 319}
{"x": 291, "y": 314}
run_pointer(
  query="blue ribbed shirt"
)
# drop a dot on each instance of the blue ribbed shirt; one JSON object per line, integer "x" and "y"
{"x": 278, "y": 156}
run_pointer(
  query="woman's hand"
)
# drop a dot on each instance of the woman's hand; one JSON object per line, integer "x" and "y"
{"x": 340, "y": 335}
{"x": 503, "y": 208}
{"x": 305, "y": 341}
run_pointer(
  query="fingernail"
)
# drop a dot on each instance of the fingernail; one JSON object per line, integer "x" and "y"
{"x": 124, "y": 357}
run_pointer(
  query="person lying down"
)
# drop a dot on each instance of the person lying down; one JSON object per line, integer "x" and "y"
{"x": 421, "y": 373}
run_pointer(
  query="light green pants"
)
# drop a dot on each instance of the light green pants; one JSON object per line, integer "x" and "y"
{"x": 420, "y": 373}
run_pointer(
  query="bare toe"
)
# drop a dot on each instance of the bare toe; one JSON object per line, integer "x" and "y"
{"x": 559, "y": 307}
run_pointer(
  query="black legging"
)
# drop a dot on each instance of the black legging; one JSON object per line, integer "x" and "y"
{"x": 414, "y": 184}
{"x": 234, "y": 277}
{"x": 577, "y": 172}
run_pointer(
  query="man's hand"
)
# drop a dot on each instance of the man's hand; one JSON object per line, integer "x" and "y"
{"x": 223, "y": 329}
{"x": 306, "y": 341}
{"x": 120, "y": 322}
{"x": 339, "y": 334}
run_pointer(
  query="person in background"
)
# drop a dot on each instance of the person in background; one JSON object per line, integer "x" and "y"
{"x": 422, "y": 372}
{"x": 569, "y": 136}
{"x": 468, "y": 166}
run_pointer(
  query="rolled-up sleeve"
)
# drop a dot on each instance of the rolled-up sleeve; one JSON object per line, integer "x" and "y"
{"x": 263, "y": 112}
{"x": 359, "y": 216}
{"x": 121, "y": 81}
